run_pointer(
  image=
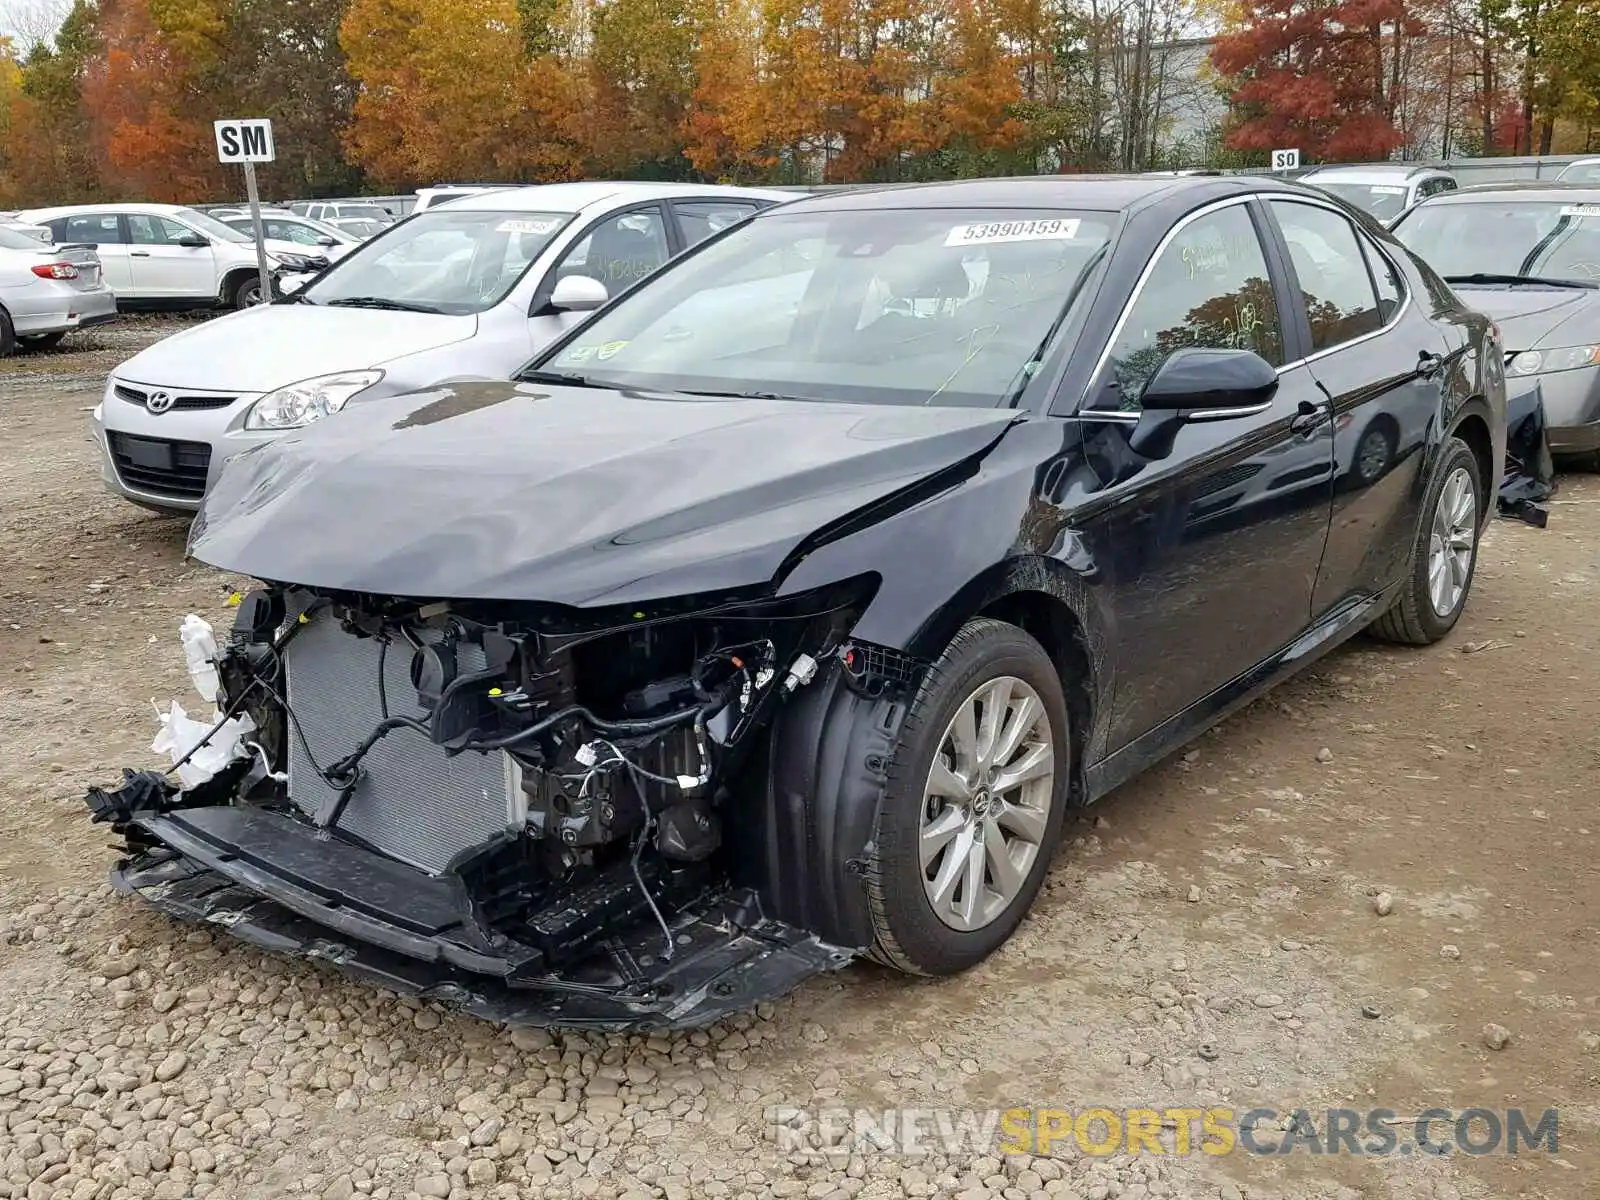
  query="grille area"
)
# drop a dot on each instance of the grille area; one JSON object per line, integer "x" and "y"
{"x": 415, "y": 803}
{"x": 161, "y": 467}
{"x": 139, "y": 396}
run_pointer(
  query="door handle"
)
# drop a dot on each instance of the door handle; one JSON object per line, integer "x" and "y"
{"x": 1429, "y": 365}
{"x": 1311, "y": 414}
{"x": 138, "y": 254}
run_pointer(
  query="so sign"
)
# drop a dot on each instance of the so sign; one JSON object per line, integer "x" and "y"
{"x": 244, "y": 141}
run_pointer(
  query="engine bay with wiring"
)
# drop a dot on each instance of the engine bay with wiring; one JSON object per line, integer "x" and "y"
{"x": 446, "y": 793}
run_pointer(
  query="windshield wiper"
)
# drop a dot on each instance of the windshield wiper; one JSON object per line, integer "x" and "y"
{"x": 381, "y": 302}
{"x": 1533, "y": 280}
{"x": 737, "y": 395}
{"x": 560, "y": 377}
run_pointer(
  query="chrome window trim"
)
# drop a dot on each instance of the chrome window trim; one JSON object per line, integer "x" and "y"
{"x": 1130, "y": 418}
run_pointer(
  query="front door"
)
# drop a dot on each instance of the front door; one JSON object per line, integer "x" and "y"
{"x": 1212, "y": 550}
{"x": 1379, "y": 359}
{"x": 164, "y": 269}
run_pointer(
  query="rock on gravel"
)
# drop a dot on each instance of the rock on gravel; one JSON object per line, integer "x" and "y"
{"x": 1383, "y": 904}
{"x": 1496, "y": 1037}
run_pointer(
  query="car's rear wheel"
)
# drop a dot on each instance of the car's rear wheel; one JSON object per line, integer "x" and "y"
{"x": 974, "y": 802}
{"x": 42, "y": 341}
{"x": 1444, "y": 556}
{"x": 8, "y": 334}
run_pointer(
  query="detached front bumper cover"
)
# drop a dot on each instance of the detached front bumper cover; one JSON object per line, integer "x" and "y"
{"x": 278, "y": 884}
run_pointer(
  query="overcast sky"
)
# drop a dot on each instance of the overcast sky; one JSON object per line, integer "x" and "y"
{"x": 29, "y": 21}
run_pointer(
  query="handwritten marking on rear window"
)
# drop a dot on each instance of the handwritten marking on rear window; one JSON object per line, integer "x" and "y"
{"x": 1580, "y": 210}
{"x": 1057, "y": 229}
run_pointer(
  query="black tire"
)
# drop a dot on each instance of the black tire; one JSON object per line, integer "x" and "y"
{"x": 909, "y": 934}
{"x": 245, "y": 286}
{"x": 41, "y": 341}
{"x": 1412, "y": 619}
{"x": 8, "y": 335}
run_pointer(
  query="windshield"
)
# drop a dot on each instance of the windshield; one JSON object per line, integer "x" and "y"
{"x": 368, "y": 212}
{"x": 910, "y": 306}
{"x": 15, "y": 239}
{"x": 360, "y": 227}
{"x": 449, "y": 261}
{"x": 1386, "y": 201}
{"x": 1543, "y": 238}
{"x": 1586, "y": 171}
{"x": 209, "y": 225}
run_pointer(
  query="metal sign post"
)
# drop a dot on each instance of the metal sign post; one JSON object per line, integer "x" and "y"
{"x": 249, "y": 141}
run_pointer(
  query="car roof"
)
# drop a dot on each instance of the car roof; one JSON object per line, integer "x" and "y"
{"x": 1378, "y": 174}
{"x": 64, "y": 210}
{"x": 575, "y": 197}
{"x": 1522, "y": 189}
{"x": 1094, "y": 193}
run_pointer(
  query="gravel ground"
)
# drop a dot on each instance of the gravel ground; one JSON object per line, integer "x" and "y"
{"x": 1407, "y": 833}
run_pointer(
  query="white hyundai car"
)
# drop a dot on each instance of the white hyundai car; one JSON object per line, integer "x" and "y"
{"x": 168, "y": 256}
{"x": 471, "y": 288}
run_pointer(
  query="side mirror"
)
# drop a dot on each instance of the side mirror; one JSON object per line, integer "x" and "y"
{"x": 327, "y": 240}
{"x": 1197, "y": 385}
{"x": 194, "y": 241}
{"x": 290, "y": 284}
{"x": 578, "y": 293}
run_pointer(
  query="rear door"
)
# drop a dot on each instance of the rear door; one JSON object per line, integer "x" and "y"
{"x": 104, "y": 232}
{"x": 1211, "y": 552}
{"x": 164, "y": 269}
{"x": 1377, "y": 356}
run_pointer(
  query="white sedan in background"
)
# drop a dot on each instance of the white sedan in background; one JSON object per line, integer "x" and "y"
{"x": 472, "y": 288}
{"x": 46, "y": 292}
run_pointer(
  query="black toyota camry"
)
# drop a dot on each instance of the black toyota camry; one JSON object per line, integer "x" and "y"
{"x": 781, "y": 612}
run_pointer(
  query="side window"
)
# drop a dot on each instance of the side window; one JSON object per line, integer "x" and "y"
{"x": 1334, "y": 283}
{"x": 699, "y": 219}
{"x": 97, "y": 229}
{"x": 1210, "y": 288}
{"x": 620, "y": 250}
{"x": 153, "y": 231}
{"x": 1390, "y": 288}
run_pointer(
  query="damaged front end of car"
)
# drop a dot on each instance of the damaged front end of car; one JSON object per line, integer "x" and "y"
{"x": 539, "y": 814}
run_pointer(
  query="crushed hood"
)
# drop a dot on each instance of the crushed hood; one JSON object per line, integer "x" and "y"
{"x": 263, "y": 348}
{"x": 502, "y": 491}
{"x": 1529, "y": 317}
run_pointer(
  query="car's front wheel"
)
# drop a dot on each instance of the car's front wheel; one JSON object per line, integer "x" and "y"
{"x": 247, "y": 292}
{"x": 974, "y": 802}
{"x": 1444, "y": 556}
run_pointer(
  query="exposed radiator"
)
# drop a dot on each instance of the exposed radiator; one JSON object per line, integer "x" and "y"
{"x": 415, "y": 803}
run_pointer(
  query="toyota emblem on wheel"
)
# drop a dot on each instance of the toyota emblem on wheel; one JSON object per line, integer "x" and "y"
{"x": 159, "y": 402}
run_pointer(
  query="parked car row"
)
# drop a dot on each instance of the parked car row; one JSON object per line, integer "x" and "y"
{"x": 678, "y": 592}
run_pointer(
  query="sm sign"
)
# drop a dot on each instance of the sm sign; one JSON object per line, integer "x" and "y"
{"x": 244, "y": 141}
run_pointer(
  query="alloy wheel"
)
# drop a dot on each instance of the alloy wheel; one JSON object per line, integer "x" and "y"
{"x": 986, "y": 804}
{"x": 1450, "y": 542}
